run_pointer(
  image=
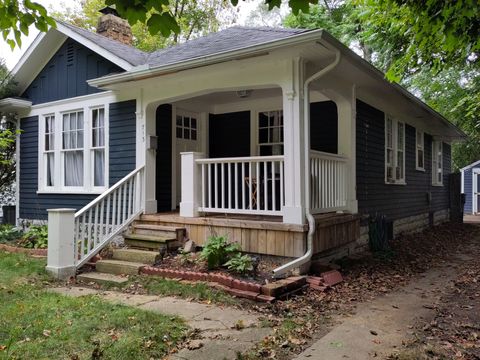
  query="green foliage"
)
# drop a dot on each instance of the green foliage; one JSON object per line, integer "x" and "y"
{"x": 9, "y": 233}
{"x": 217, "y": 251}
{"x": 35, "y": 238}
{"x": 16, "y": 17}
{"x": 239, "y": 263}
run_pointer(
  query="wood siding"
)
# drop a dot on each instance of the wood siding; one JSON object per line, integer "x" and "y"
{"x": 163, "y": 169}
{"x": 467, "y": 190}
{"x": 395, "y": 201}
{"x": 122, "y": 161}
{"x": 66, "y": 74}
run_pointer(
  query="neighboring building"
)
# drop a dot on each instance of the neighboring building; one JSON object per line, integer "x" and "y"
{"x": 266, "y": 126}
{"x": 470, "y": 187}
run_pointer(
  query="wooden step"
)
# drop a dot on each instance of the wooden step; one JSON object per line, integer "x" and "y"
{"x": 160, "y": 230}
{"x": 150, "y": 241}
{"x": 118, "y": 267}
{"x": 134, "y": 255}
{"x": 102, "y": 278}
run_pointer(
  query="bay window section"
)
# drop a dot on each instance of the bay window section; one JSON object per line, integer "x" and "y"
{"x": 73, "y": 151}
{"x": 394, "y": 151}
{"x": 98, "y": 146}
{"x": 270, "y": 133}
{"x": 72, "y": 140}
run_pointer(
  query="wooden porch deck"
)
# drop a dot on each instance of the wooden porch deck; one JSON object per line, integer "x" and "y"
{"x": 266, "y": 235}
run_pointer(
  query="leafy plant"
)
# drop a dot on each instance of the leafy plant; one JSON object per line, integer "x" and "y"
{"x": 240, "y": 264}
{"x": 35, "y": 238}
{"x": 217, "y": 251}
{"x": 9, "y": 233}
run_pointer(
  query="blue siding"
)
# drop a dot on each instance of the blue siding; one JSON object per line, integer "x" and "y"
{"x": 395, "y": 201}
{"x": 122, "y": 161}
{"x": 33, "y": 205}
{"x": 122, "y": 139}
{"x": 67, "y": 72}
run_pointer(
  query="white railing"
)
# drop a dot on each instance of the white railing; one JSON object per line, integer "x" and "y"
{"x": 106, "y": 216}
{"x": 328, "y": 182}
{"x": 243, "y": 185}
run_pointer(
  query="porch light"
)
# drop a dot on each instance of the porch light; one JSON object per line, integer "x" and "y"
{"x": 244, "y": 93}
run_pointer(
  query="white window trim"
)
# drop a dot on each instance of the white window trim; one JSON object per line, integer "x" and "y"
{"x": 256, "y": 127}
{"x": 435, "y": 181}
{"x": 59, "y": 187}
{"x": 417, "y": 147}
{"x": 394, "y": 150}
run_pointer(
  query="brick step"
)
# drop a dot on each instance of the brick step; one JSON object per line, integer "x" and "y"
{"x": 135, "y": 255}
{"x": 101, "y": 278}
{"x": 118, "y": 267}
{"x": 143, "y": 228}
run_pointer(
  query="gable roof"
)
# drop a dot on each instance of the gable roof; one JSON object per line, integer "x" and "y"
{"x": 470, "y": 166}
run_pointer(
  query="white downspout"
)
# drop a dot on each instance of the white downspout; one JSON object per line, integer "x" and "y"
{"x": 278, "y": 272}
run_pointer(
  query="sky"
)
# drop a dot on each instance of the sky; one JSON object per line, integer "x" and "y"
{"x": 245, "y": 10}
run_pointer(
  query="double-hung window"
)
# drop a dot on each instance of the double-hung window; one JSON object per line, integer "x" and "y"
{"x": 420, "y": 150}
{"x": 394, "y": 151}
{"x": 49, "y": 150}
{"x": 437, "y": 163}
{"x": 72, "y": 148}
{"x": 73, "y": 151}
{"x": 270, "y": 132}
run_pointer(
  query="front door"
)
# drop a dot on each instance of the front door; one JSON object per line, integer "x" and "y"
{"x": 187, "y": 138}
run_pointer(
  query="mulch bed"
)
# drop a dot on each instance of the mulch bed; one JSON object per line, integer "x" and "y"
{"x": 15, "y": 249}
{"x": 365, "y": 278}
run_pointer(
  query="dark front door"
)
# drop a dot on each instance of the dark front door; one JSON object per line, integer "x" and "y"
{"x": 164, "y": 158}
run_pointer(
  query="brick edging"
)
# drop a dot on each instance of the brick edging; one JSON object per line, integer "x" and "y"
{"x": 15, "y": 249}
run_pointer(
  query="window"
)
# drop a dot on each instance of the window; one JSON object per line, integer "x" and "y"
{"x": 270, "y": 132}
{"x": 49, "y": 149}
{"x": 98, "y": 146}
{"x": 186, "y": 127}
{"x": 394, "y": 151}
{"x": 73, "y": 149}
{"x": 437, "y": 163}
{"x": 420, "y": 141}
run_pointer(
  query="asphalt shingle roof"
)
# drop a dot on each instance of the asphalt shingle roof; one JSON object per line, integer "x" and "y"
{"x": 230, "y": 39}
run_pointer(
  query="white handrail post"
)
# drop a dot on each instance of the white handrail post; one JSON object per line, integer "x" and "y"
{"x": 191, "y": 184}
{"x": 61, "y": 243}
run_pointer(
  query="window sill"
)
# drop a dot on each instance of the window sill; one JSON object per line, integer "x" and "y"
{"x": 420, "y": 169}
{"x": 437, "y": 185}
{"x": 403, "y": 183}
{"x": 72, "y": 192}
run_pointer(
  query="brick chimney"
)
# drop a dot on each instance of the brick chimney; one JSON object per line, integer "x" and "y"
{"x": 114, "y": 27}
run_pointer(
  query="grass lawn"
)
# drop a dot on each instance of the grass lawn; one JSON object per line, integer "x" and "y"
{"x": 36, "y": 324}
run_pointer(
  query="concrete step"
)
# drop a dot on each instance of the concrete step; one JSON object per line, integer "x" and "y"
{"x": 102, "y": 278}
{"x": 153, "y": 242}
{"x": 134, "y": 255}
{"x": 118, "y": 267}
{"x": 158, "y": 230}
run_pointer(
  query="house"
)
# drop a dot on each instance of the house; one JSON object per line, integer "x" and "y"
{"x": 284, "y": 139}
{"x": 470, "y": 185}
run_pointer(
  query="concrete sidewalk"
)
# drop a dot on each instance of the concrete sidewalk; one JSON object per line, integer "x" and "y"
{"x": 223, "y": 331}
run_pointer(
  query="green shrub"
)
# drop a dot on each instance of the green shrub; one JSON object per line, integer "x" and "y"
{"x": 240, "y": 264}
{"x": 217, "y": 251}
{"x": 35, "y": 238}
{"x": 9, "y": 233}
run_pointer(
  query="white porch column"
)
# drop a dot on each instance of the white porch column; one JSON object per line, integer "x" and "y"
{"x": 191, "y": 184}
{"x": 61, "y": 243}
{"x": 293, "y": 122}
{"x": 150, "y": 159}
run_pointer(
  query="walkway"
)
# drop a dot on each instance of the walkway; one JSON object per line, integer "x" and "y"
{"x": 221, "y": 331}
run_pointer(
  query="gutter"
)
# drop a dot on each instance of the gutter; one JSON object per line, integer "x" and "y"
{"x": 145, "y": 72}
{"x": 278, "y": 272}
